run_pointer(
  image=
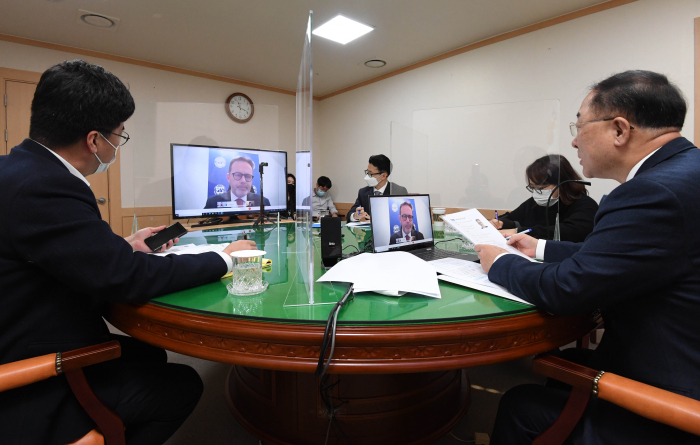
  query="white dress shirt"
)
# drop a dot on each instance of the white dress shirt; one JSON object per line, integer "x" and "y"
{"x": 227, "y": 258}
{"x": 539, "y": 251}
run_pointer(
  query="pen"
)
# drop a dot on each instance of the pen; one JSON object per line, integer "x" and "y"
{"x": 524, "y": 231}
{"x": 496, "y": 212}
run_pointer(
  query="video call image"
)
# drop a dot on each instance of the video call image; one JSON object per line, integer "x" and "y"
{"x": 400, "y": 221}
{"x": 219, "y": 181}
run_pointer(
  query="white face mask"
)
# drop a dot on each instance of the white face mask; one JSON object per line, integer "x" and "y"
{"x": 541, "y": 198}
{"x": 105, "y": 165}
{"x": 371, "y": 181}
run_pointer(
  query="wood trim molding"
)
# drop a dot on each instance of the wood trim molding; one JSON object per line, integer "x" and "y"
{"x": 490, "y": 41}
{"x": 18, "y": 75}
{"x": 360, "y": 349}
{"x": 697, "y": 82}
{"x": 144, "y": 63}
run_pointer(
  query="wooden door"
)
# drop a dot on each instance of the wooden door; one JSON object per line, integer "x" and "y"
{"x": 18, "y": 103}
{"x": 19, "y": 87}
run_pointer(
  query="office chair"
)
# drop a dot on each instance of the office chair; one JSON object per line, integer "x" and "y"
{"x": 24, "y": 372}
{"x": 647, "y": 401}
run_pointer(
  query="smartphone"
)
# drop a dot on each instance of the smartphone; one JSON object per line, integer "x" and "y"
{"x": 156, "y": 241}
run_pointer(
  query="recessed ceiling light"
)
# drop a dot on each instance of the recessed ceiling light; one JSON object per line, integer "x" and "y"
{"x": 98, "y": 20}
{"x": 342, "y": 29}
{"x": 375, "y": 63}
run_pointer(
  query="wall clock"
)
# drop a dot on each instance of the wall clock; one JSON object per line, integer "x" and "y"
{"x": 240, "y": 108}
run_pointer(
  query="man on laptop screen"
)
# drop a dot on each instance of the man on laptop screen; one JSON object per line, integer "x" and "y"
{"x": 408, "y": 231}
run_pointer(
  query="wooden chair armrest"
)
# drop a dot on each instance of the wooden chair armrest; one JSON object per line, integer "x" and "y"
{"x": 91, "y": 355}
{"x": 565, "y": 371}
{"x": 24, "y": 372}
{"x": 645, "y": 400}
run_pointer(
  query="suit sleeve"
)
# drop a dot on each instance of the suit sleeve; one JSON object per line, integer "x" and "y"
{"x": 60, "y": 231}
{"x": 636, "y": 248}
{"x": 353, "y": 209}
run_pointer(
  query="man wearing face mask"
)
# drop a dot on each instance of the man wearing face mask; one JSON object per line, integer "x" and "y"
{"x": 377, "y": 179}
{"x": 61, "y": 264}
{"x": 322, "y": 202}
{"x": 576, "y": 209}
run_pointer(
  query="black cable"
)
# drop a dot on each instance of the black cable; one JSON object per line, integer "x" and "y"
{"x": 448, "y": 240}
{"x": 355, "y": 247}
{"x": 330, "y": 325}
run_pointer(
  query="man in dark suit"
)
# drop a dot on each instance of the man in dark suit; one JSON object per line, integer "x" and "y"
{"x": 407, "y": 232}
{"x": 240, "y": 180}
{"x": 640, "y": 266}
{"x": 377, "y": 179}
{"x": 60, "y": 264}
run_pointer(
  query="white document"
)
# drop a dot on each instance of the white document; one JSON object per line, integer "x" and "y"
{"x": 469, "y": 274}
{"x": 478, "y": 230}
{"x": 389, "y": 273}
{"x": 191, "y": 249}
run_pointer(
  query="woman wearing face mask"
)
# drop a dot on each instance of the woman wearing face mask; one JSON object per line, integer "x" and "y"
{"x": 576, "y": 208}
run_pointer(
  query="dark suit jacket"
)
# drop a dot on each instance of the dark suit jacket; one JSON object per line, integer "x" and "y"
{"x": 641, "y": 267}
{"x": 418, "y": 236}
{"x": 365, "y": 192}
{"x": 60, "y": 264}
{"x": 212, "y": 200}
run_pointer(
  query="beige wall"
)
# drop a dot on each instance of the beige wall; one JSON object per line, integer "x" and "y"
{"x": 155, "y": 91}
{"x": 558, "y": 63}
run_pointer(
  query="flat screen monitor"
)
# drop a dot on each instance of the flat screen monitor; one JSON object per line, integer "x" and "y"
{"x": 225, "y": 181}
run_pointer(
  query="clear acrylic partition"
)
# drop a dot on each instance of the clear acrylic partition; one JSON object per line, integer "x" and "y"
{"x": 476, "y": 156}
{"x": 304, "y": 294}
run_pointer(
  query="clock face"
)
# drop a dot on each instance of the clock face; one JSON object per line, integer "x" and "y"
{"x": 240, "y": 107}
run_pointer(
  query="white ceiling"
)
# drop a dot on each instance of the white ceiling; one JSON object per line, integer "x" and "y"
{"x": 261, "y": 40}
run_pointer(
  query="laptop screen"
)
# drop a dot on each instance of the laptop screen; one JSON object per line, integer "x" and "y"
{"x": 401, "y": 222}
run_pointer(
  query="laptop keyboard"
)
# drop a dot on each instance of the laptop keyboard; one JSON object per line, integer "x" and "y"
{"x": 434, "y": 254}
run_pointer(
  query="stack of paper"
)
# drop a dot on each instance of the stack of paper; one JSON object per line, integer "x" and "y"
{"x": 389, "y": 273}
{"x": 358, "y": 224}
{"x": 471, "y": 275}
{"x": 192, "y": 249}
{"x": 478, "y": 230}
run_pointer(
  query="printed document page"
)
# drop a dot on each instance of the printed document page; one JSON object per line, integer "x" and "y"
{"x": 470, "y": 274}
{"x": 390, "y": 273}
{"x": 192, "y": 249}
{"x": 478, "y": 230}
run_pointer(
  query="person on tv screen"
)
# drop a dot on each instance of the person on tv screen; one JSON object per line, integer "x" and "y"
{"x": 408, "y": 232}
{"x": 240, "y": 180}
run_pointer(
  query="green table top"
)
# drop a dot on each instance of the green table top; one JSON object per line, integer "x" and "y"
{"x": 286, "y": 300}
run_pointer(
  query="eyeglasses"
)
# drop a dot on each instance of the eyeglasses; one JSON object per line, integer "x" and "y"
{"x": 535, "y": 190}
{"x": 407, "y": 217}
{"x": 573, "y": 126}
{"x": 237, "y": 176}
{"x": 368, "y": 173}
{"x": 124, "y": 140}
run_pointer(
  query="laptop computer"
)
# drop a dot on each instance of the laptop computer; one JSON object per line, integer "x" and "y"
{"x": 403, "y": 222}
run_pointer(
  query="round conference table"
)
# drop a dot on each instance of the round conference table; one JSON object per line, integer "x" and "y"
{"x": 396, "y": 376}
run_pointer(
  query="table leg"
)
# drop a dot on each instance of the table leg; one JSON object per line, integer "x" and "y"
{"x": 285, "y": 408}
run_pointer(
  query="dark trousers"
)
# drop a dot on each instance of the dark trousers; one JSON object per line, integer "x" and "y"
{"x": 526, "y": 411}
{"x": 152, "y": 397}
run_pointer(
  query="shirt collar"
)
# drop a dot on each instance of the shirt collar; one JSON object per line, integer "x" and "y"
{"x": 381, "y": 190}
{"x": 639, "y": 164}
{"x": 68, "y": 165}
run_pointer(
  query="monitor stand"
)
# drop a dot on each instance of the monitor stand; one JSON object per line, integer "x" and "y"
{"x": 217, "y": 221}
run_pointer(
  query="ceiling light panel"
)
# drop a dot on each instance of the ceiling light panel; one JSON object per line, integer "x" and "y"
{"x": 342, "y": 29}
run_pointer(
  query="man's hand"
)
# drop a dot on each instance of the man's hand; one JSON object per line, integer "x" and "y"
{"x": 496, "y": 223}
{"x": 335, "y": 215}
{"x": 508, "y": 232}
{"x": 240, "y": 245}
{"x": 137, "y": 240}
{"x": 524, "y": 243}
{"x": 487, "y": 254}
